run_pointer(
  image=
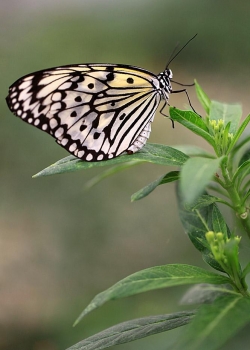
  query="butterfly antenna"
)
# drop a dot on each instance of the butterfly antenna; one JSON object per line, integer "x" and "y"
{"x": 172, "y": 58}
{"x": 176, "y": 82}
{"x": 173, "y": 52}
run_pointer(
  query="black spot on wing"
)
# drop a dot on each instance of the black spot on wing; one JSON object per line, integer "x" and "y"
{"x": 73, "y": 114}
{"x": 130, "y": 80}
{"x": 83, "y": 127}
{"x": 78, "y": 99}
{"x": 110, "y": 76}
{"x": 41, "y": 108}
{"x": 95, "y": 122}
{"x": 96, "y": 135}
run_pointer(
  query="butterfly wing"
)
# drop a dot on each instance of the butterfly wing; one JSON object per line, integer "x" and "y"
{"x": 95, "y": 111}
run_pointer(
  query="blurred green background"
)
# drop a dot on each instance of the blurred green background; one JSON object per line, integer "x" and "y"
{"x": 60, "y": 244}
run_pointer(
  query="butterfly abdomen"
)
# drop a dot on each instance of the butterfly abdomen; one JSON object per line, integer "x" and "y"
{"x": 141, "y": 140}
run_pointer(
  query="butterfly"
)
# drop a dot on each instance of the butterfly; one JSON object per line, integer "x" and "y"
{"x": 95, "y": 111}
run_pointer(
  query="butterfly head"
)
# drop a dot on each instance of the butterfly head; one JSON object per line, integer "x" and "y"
{"x": 165, "y": 81}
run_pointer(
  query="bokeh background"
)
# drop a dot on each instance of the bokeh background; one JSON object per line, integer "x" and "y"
{"x": 60, "y": 244}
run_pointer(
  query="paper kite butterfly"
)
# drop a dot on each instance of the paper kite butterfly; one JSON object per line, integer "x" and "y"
{"x": 95, "y": 111}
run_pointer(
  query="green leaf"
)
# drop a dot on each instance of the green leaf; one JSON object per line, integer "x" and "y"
{"x": 203, "y": 98}
{"x": 193, "y": 122}
{"x": 145, "y": 191}
{"x": 245, "y": 139}
{"x": 204, "y": 293}
{"x": 154, "y": 278}
{"x": 216, "y": 323}
{"x": 218, "y": 222}
{"x": 228, "y": 113}
{"x": 152, "y": 153}
{"x": 241, "y": 173}
{"x": 245, "y": 156}
{"x": 196, "y": 175}
{"x": 244, "y": 199}
{"x": 205, "y": 200}
{"x": 238, "y": 134}
{"x": 246, "y": 270}
{"x": 109, "y": 172}
{"x": 191, "y": 150}
{"x": 135, "y": 329}
{"x": 196, "y": 223}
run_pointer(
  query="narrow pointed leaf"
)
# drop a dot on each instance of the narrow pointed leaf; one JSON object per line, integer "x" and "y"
{"x": 196, "y": 175}
{"x": 135, "y": 329}
{"x": 204, "y": 201}
{"x": 193, "y": 122}
{"x": 204, "y": 293}
{"x": 238, "y": 134}
{"x": 109, "y": 172}
{"x": 188, "y": 118}
{"x": 145, "y": 191}
{"x": 154, "y": 278}
{"x": 218, "y": 222}
{"x": 244, "y": 140}
{"x": 216, "y": 323}
{"x": 245, "y": 156}
{"x": 203, "y": 98}
{"x": 242, "y": 172}
{"x": 152, "y": 153}
{"x": 247, "y": 194}
{"x": 246, "y": 270}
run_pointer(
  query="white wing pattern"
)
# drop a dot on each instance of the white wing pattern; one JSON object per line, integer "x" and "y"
{"x": 95, "y": 111}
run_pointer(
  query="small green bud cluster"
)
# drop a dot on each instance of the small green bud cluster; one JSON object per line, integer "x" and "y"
{"x": 221, "y": 135}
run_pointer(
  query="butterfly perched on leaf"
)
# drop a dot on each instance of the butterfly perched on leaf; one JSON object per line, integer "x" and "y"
{"x": 95, "y": 111}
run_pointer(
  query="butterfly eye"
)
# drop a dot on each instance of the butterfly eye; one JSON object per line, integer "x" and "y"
{"x": 169, "y": 73}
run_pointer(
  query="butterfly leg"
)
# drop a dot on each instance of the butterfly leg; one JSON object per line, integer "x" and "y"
{"x": 184, "y": 90}
{"x": 165, "y": 115}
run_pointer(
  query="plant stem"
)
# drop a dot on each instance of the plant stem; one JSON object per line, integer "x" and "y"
{"x": 246, "y": 224}
{"x": 239, "y": 207}
{"x": 240, "y": 284}
{"x": 240, "y": 288}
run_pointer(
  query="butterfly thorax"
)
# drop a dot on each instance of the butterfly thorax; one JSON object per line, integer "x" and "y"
{"x": 165, "y": 83}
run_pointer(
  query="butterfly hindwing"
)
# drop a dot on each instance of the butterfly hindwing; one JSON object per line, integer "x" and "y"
{"x": 95, "y": 111}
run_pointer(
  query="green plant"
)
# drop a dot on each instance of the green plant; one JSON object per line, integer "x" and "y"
{"x": 222, "y": 295}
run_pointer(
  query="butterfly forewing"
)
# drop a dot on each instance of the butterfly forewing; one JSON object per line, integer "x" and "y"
{"x": 95, "y": 111}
